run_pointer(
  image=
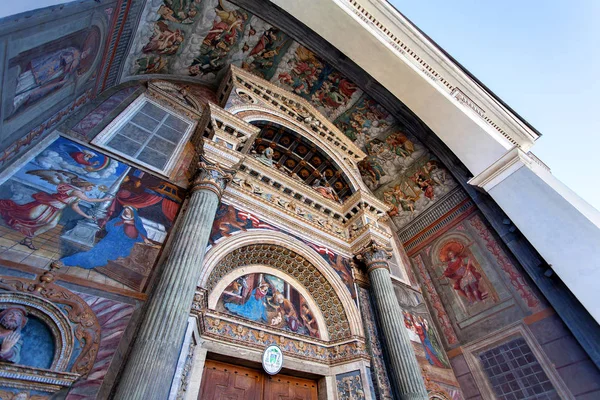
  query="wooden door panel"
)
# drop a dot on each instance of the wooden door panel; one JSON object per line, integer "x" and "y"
{"x": 281, "y": 387}
{"x": 228, "y": 382}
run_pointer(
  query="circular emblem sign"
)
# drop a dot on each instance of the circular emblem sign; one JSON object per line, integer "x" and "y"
{"x": 272, "y": 359}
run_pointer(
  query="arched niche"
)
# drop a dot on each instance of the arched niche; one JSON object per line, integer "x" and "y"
{"x": 219, "y": 296}
{"x": 73, "y": 333}
{"x": 52, "y": 318}
{"x": 217, "y": 265}
{"x": 253, "y": 113}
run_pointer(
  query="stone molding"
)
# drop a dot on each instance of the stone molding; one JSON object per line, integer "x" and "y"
{"x": 413, "y": 47}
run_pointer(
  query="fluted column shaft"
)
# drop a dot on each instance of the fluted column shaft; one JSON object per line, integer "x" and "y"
{"x": 405, "y": 373}
{"x": 153, "y": 359}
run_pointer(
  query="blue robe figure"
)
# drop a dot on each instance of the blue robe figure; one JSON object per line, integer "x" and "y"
{"x": 124, "y": 232}
{"x": 255, "y": 307}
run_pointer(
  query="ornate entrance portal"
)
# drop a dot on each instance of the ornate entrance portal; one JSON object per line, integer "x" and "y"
{"x": 227, "y": 381}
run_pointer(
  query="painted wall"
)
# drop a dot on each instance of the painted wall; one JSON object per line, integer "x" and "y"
{"x": 51, "y": 67}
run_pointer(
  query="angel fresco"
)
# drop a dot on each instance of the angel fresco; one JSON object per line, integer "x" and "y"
{"x": 227, "y": 29}
{"x": 400, "y": 144}
{"x": 399, "y": 201}
{"x": 44, "y": 212}
{"x": 164, "y": 40}
{"x": 180, "y": 11}
{"x": 304, "y": 72}
{"x": 371, "y": 170}
{"x": 264, "y": 55}
{"x": 335, "y": 91}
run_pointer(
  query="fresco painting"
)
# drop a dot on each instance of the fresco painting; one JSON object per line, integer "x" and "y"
{"x": 229, "y": 220}
{"x": 420, "y": 330}
{"x": 364, "y": 120}
{"x": 53, "y": 66}
{"x": 415, "y": 189}
{"x": 269, "y": 300}
{"x": 217, "y": 33}
{"x": 92, "y": 212}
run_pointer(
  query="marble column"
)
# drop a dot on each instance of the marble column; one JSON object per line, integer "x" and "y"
{"x": 153, "y": 359}
{"x": 405, "y": 372}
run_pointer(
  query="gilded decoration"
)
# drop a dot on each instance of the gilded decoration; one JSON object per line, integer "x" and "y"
{"x": 225, "y": 328}
{"x": 297, "y": 267}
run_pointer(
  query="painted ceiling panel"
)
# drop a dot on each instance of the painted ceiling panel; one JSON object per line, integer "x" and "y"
{"x": 200, "y": 39}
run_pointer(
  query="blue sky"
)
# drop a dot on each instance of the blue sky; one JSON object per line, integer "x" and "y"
{"x": 542, "y": 57}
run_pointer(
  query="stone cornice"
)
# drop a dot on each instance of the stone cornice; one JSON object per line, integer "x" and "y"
{"x": 412, "y": 46}
{"x": 508, "y": 164}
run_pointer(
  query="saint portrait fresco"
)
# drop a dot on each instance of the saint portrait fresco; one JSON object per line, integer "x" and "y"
{"x": 269, "y": 300}
{"x": 460, "y": 269}
{"x": 90, "y": 211}
{"x": 52, "y": 66}
{"x": 420, "y": 330}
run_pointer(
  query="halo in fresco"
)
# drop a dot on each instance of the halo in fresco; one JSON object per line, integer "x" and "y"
{"x": 271, "y": 301}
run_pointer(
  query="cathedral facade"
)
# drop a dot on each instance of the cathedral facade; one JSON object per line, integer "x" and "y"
{"x": 270, "y": 199}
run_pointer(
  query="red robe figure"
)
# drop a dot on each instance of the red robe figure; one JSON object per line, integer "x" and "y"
{"x": 461, "y": 270}
{"x": 44, "y": 212}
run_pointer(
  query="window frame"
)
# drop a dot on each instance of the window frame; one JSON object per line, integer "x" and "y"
{"x": 101, "y": 140}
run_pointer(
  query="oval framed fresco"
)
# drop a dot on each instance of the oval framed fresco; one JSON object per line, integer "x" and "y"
{"x": 271, "y": 301}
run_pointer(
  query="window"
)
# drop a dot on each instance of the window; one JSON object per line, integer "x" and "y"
{"x": 515, "y": 373}
{"x": 149, "y": 133}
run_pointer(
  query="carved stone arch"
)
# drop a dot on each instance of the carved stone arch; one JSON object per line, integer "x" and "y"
{"x": 254, "y": 113}
{"x": 217, "y": 291}
{"x": 242, "y": 239}
{"x": 296, "y": 260}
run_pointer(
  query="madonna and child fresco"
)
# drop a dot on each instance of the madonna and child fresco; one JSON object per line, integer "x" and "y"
{"x": 269, "y": 300}
{"x": 88, "y": 210}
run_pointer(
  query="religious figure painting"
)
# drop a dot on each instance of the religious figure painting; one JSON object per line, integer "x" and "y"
{"x": 463, "y": 277}
{"x": 420, "y": 330}
{"x": 269, "y": 300}
{"x": 422, "y": 183}
{"x": 24, "y": 339}
{"x": 91, "y": 212}
{"x": 364, "y": 120}
{"x": 53, "y": 66}
{"x": 229, "y": 220}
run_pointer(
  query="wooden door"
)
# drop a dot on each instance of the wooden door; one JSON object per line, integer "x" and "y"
{"x": 222, "y": 381}
{"x": 281, "y": 387}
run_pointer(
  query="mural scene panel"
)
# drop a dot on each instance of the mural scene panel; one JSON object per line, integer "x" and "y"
{"x": 229, "y": 220}
{"x": 104, "y": 220}
{"x": 269, "y": 300}
{"x": 51, "y": 67}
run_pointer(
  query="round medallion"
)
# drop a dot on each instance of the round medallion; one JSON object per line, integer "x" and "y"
{"x": 272, "y": 360}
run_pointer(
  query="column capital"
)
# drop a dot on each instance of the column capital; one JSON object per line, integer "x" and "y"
{"x": 211, "y": 176}
{"x": 375, "y": 256}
